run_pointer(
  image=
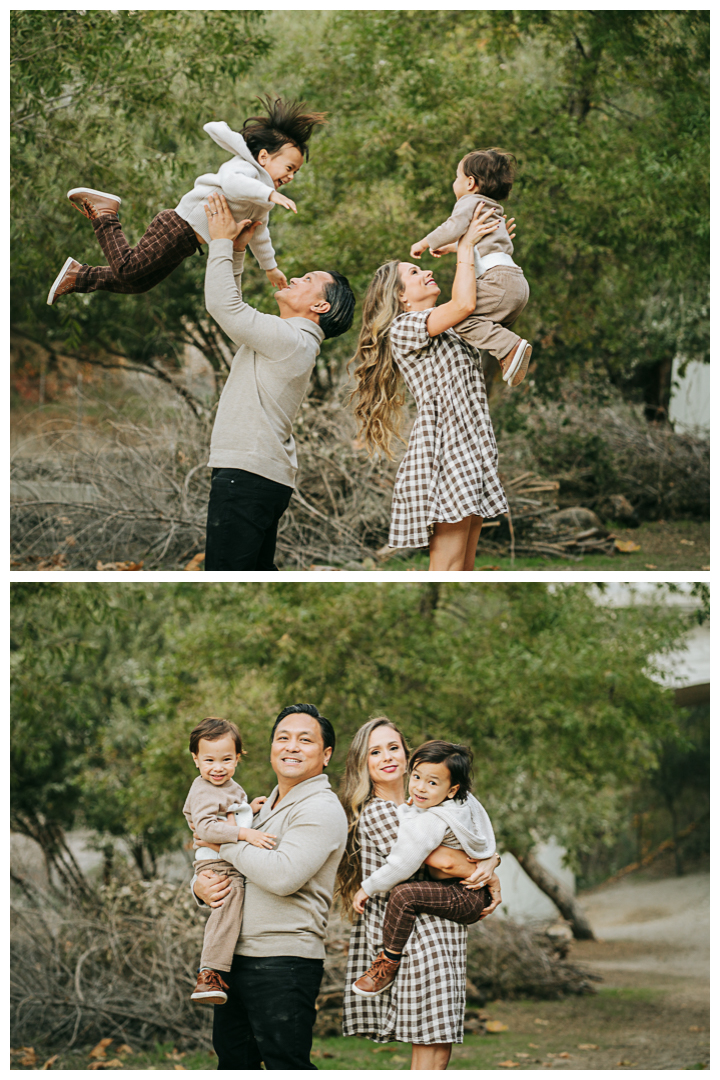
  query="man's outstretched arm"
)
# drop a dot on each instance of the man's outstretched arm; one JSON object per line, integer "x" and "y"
{"x": 267, "y": 334}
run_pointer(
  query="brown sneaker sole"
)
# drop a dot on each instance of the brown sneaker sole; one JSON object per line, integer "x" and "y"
{"x": 209, "y": 997}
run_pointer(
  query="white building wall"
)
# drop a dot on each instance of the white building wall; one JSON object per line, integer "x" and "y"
{"x": 689, "y": 410}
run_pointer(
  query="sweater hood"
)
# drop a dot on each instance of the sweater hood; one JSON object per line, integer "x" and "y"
{"x": 470, "y": 823}
{"x": 233, "y": 142}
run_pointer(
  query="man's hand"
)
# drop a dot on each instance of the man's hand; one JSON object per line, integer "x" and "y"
{"x": 223, "y": 226}
{"x": 257, "y": 838}
{"x": 257, "y": 803}
{"x": 206, "y": 843}
{"x": 211, "y": 888}
{"x": 360, "y": 899}
{"x": 417, "y": 249}
{"x": 511, "y": 226}
{"x": 282, "y": 200}
{"x": 277, "y": 278}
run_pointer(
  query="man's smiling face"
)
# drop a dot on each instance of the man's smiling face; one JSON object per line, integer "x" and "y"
{"x": 297, "y": 750}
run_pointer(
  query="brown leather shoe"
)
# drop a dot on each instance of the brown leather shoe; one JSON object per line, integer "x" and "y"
{"x": 210, "y": 989}
{"x": 515, "y": 364}
{"x": 91, "y": 202}
{"x": 65, "y": 281}
{"x": 377, "y": 978}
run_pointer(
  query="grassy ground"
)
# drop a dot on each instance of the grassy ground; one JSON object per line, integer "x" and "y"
{"x": 620, "y": 1028}
{"x": 671, "y": 545}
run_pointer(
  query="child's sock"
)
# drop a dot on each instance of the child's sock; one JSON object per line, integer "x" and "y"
{"x": 396, "y": 956}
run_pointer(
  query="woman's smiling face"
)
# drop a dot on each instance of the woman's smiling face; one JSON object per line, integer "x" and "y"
{"x": 420, "y": 290}
{"x": 386, "y": 756}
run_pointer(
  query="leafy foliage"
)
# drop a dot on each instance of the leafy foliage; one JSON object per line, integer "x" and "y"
{"x": 550, "y": 688}
{"x": 606, "y": 112}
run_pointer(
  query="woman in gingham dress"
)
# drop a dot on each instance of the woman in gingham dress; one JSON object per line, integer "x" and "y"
{"x": 448, "y": 480}
{"x": 426, "y": 1004}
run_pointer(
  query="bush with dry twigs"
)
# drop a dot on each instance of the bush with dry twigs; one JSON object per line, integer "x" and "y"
{"x": 130, "y": 495}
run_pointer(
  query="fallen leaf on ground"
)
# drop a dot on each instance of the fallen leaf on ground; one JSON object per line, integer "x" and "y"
{"x": 49, "y": 1062}
{"x": 690, "y": 543}
{"x": 626, "y": 1064}
{"x": 696, "y": 1028}
{"x": 626, "y": 546}
{"x": 704, "y": 567}
{"x": 181, "y": 1067}
{"x": 650, "y": 566}
{"x": 399, "y": 1060}
{"x": 544, "y": 1023}
{"x": 494, "y": 1026}
{"x": 29, "y": 1056}
{"x": 175, "y": 1055}
{"x": 194, "y": 563}
{"x": 385, "y": 1050}
{"x": 564, "y": 1054}
{"x": 533, "y": 1046}
{"x": 508, "y": 1064}
{"x": 487, "y": 567}
{"x": 99, "y": 1050}
{"x": 522, "y": 1055}
{"x": 116, "y": 1063}
{"x": 588, "y": 1046}
{"x": 124, "y": 1049}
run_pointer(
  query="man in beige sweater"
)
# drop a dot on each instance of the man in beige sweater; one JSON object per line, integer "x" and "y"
{"x": 278, "y": 963}
{"x": 252, "y": 449}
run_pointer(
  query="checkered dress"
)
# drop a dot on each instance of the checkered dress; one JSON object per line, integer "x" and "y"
{"x": 450, "y": 469}
{"x": 426, "y": 1004}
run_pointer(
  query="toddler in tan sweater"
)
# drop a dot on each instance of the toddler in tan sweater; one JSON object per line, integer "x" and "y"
{"x": 218, "y": 812}
{"x": 485, "y": 176}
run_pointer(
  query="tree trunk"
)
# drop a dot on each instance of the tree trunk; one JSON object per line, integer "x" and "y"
{"x": 563, "y": 900}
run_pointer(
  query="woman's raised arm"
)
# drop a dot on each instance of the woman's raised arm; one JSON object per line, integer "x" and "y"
{"x": 463, "y": 291}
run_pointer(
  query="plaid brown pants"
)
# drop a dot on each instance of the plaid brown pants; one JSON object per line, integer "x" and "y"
{"x": 446, "y": 899}
{"x": 166, "y": 243}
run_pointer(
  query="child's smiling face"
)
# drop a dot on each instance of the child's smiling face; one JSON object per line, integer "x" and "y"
{"x": 463, "y": 185}
{"x": 430, "y": 784}
{"x": 217, "y": 759}
{"x": 283, "y": 165}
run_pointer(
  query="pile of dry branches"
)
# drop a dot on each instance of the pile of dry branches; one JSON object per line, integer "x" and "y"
{"x": 127, "y": 495}
{"x": 122, "y": 962}
{"x": 122, "y": 965}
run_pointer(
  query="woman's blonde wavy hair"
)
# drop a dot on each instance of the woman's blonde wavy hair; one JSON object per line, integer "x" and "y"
{"x": 356, "y": 790}
{"x": 378, "y": 396}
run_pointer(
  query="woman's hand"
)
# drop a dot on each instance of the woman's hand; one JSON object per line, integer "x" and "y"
{"x": 479, "y": 226}
{"x": 257, "y": 803}
{"x": 211, "y": 888}
{"x": 360, "y": 899}
{"x": 485, "y": 870}
{"x": 495, "y": 895}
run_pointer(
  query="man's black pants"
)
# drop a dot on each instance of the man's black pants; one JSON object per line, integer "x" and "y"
{"x": 242, "y": 522}
{"x": 269, "y": 1013}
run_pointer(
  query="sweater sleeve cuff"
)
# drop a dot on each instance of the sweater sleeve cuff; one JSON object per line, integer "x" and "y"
{"x": 223, "y": 246}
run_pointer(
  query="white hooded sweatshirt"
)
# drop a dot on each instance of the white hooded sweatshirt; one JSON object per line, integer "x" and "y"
{"x": 246, "y": 186}
{"x": 463, "y": 825}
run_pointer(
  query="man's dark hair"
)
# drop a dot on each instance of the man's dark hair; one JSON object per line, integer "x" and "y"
{"x": 326, "y": 728}
{"x": 212, "y": 728}
{"x": 339, "y": 316}
{"x": 285, "y": 122}
{"x": 492, "y": 170}
{"x": 456, "y": 758}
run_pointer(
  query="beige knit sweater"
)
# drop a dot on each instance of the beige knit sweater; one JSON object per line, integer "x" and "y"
{"x": 268, "y": 378}
{"x": 288, "y": 891}
{"x": 459, "y": 221}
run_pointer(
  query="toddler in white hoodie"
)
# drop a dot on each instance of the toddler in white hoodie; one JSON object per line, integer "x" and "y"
{"x": 442, "y": 811}
{"x": 266, "y": 156}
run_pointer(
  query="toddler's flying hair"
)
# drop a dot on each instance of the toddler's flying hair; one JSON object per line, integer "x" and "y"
{"x": 285, "y": 122}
